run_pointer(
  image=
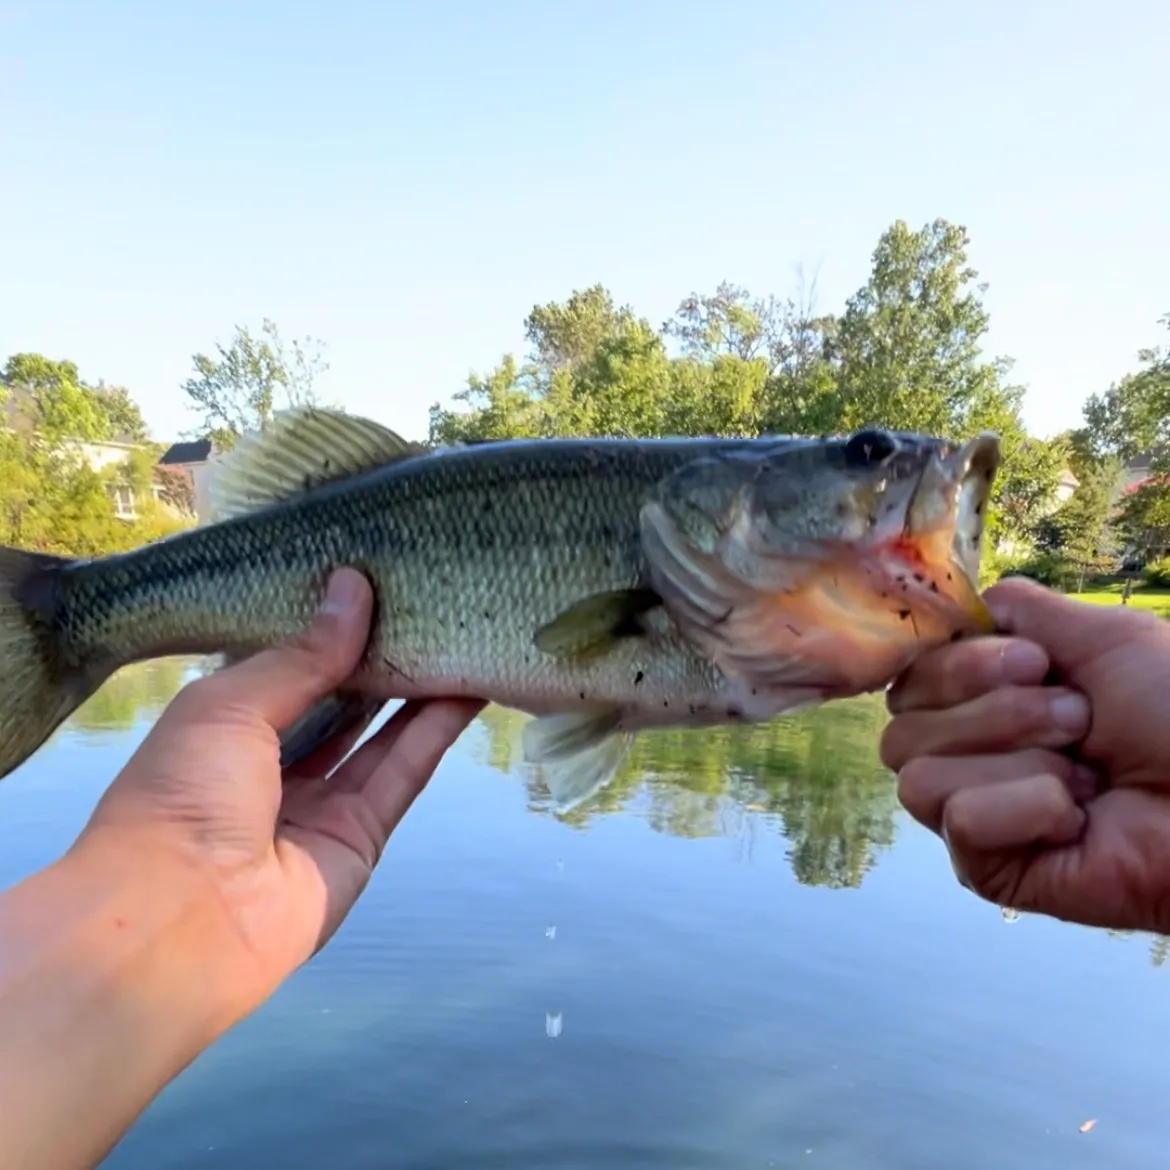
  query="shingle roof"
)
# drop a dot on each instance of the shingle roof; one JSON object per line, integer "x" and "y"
{"x": 196, "y": 452}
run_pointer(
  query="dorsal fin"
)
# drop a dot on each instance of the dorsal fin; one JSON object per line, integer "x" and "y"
{"x": 298, "y": 451}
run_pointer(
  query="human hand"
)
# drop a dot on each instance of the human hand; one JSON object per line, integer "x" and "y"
{"x": 1042, "y": 757}
{"x": 285, "y": 854}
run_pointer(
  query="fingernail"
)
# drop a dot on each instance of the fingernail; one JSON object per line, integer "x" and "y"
{"x": 1069, "y": 711}
{"x": 1023, "y": 662}
{"x": 344, "y": 592}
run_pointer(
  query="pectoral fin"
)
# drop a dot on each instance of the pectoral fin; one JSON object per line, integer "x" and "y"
{"x": 579, "y": 752}
{"x": 594, "y": 623}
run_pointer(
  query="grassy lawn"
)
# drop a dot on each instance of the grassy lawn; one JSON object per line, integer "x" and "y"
{"x": 1142, "y": 598}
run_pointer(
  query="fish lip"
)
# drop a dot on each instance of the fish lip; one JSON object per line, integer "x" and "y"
{"x": 947, "y": 514}
{"x": 973, "y": 468}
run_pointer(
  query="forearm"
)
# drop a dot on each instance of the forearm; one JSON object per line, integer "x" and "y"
{"x": 108, "y": 988}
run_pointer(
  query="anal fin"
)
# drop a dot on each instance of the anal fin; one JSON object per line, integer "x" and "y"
{"x": 332, "y": 716}
{"x": 579, "y": 752}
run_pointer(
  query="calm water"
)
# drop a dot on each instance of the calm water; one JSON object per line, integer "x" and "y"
{"x": 744, "y": 956}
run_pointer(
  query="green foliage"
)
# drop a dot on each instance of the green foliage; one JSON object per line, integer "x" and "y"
{"x": 1133, "y": 415}
{"x": 249, "y": 380}
{"x": 905, "y": 354}
{"x": 134, "y": 693}
{"x": 1157, "y": 573}
{"x": 51, "y": 498}
{"x": 48, "y": 397}
{"x": 1143, "y": 517}
{"x": 1046, "y": 567}
{"x": 1080, "y": 532}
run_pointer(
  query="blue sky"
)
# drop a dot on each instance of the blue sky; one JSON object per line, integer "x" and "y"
{"x": 405, "y": 180}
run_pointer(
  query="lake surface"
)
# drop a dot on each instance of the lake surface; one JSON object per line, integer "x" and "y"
{"x": 741, "y": 956}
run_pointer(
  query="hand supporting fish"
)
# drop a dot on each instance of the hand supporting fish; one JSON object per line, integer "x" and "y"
{"x": 603, "y": 586}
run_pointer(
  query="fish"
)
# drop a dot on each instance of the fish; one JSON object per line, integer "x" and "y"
{"x": 605, "y": 587}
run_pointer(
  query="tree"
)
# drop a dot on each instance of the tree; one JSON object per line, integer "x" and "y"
{"x": 905, "y": 354}
{"x": 769, "y": 354}
{"x": 51, "y": 499}
{"x": 563, "y": 336}
{"x": 123, "y": 419}
{"x": 1143, "y": 517}
{"x": 49, "y": 398}
{"x": 1080, "y": 530}
{"x": 1133, "y": 415}
{"x": 249, "y": 380}
{"x": 593, "y": 369}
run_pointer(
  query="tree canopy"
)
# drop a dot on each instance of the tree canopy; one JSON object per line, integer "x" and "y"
{"x": 250, "y": 379}
{"x": 50, "y": 397}
{"x": 906, "y": 352}
{"x": 51, "y": 498}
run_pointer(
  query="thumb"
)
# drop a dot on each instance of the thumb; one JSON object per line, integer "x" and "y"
{"x": 1072, "y": 632}
{"x": 284, "y": 681}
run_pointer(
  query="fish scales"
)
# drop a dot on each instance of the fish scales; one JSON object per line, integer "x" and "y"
{"x": 469, "y": 552}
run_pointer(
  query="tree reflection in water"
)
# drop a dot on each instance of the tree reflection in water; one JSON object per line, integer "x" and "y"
{"x": 816, "y": 774}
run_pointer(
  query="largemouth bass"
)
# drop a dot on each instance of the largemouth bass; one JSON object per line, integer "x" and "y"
{"x": 605, "y": 587}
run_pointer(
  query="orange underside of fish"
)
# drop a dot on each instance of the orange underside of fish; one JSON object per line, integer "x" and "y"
{"x": 853, "y": 627}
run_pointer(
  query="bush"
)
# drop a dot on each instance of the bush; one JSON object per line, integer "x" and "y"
{"x": 1157, "y": 573}
{"x": 1047, "y": 568}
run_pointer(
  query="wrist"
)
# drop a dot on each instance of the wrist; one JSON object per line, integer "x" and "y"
{"x": 111, "y": 983}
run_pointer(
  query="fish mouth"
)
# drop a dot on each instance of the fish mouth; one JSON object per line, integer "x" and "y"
{"x": 946, "y": 519}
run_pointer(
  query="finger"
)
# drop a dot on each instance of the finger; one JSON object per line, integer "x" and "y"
{"x": 1073, "y": 632}
{"x": 1008, "y": 817}
{"x": 952, "y": 674}
{"x": 927, "y": 783}
{"x": 343, "y": 823}
{"x": 284, "y": 681}
{"x": 1008, "y": 719}
{"x": 392, "y": 769}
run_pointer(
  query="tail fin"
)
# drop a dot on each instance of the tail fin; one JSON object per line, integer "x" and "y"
{"x": 37, "y": 691}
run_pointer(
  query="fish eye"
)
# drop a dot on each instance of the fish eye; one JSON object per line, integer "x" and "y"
{"x": 869, "y": 447}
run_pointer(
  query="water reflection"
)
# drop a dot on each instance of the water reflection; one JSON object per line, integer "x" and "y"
{"x": 815, "y": 774}
{"x": 1158, "y": 944}
{"x": 135, "y": 693}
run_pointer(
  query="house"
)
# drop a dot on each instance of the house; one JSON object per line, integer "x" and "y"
{"x": 102, "y": 455}
{"x": 191, "y": 460}
{"x": 1066, "y": 485}
{"x": 1138, "y": 469}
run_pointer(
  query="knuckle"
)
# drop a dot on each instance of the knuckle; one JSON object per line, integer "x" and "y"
{"x": 197, "y": 697}
{"x": 1020, "y": 711}
{"x": 890, "y": 746}
{"x": 1039, "y": 761}
{"x": 961, "y": 822}
{"x": 915, "y": 782}
{"x": 931, "y": 673}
